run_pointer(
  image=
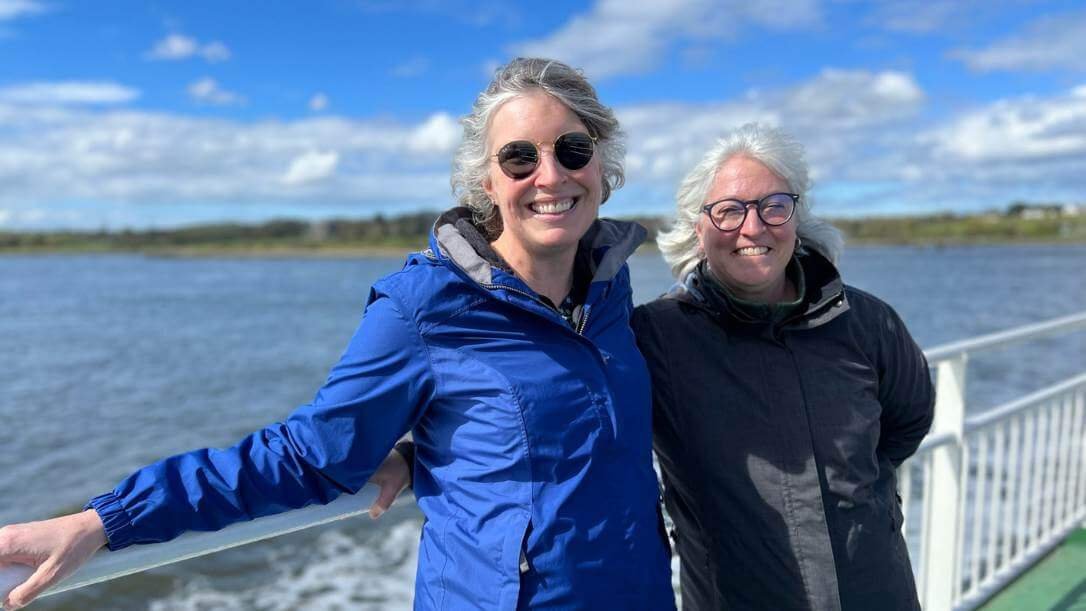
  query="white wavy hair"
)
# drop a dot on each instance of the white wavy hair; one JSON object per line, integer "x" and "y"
{"x": 518, "y": 77}
{"x": 779, "y": 152}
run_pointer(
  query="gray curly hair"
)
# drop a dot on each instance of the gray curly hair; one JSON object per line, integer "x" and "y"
{"x": 522, "y": 75}
{"x": 782, "y": 154}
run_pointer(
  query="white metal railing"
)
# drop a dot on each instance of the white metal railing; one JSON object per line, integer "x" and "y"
{"x": 137, "y": 558}
{"x": 1018, "y": 472}
{"x": 995, "y": 491}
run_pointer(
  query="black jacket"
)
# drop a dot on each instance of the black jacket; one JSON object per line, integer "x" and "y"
{"x": 779, "y": 444}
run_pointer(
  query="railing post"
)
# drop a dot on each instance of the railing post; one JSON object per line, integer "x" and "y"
{"x": 941, "y": 551}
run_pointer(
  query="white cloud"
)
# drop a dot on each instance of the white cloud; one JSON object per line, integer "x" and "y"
{"x": 415, "y": 66}
{"x": 854, "y": 97}
{"x": 1049, "y": 43}
{"x": 68, "y": 92}
{"x": 440, "y": 133}
{"x": 215, "y": 52}
{"x": 318, "y": 102}
{"x": 140, "y": 158}
{"x": 174, "y": 46}
{"x": 311, "y": 167}
{"x": 208, "y": 91}
{"x": 1028, "y": 147}
{"x": 666, "y": 140}
{"x": 859, "y": 127}
{"x": 918, "y": 17}
{"x": 1017, "y": 131}
{"x": 178, "y": 47}
{"x": 476, "y": 13}
{"x": 837, "y": 113}
{"x": 11, "y": 9}
{"x": 619, "y": 37}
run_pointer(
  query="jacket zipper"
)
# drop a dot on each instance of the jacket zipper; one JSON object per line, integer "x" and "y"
{"x": 584, "y": 319}
{"x": 428, "y": 253}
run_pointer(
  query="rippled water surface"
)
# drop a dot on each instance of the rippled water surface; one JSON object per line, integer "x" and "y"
{"x": 108, "y": 362}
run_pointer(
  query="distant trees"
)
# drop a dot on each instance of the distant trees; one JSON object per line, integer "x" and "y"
{"x": 1020, "y": 222}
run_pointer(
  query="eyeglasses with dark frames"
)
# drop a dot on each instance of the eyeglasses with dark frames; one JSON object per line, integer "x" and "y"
{"x": 520, "y": 158}
{"x": 774, "y": 209}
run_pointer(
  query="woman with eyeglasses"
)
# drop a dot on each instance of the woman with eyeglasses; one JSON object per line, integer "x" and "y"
{"x": 505, "y": 348}
{"x": 784, "y": 400}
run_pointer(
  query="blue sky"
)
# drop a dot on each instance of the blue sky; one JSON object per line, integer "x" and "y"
{"x": 134, "y": 114}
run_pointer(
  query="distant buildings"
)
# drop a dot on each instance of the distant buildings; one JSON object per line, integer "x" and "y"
{"x": 1032, "y": 212}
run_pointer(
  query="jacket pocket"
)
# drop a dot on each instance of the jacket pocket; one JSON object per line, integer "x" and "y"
{"x": 515, "y": 560}
{"x": 525, "y": 565}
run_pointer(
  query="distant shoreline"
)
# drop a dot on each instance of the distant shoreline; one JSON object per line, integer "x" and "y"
{"x": 396, "y": 236}
{"x": 354, "y": 252}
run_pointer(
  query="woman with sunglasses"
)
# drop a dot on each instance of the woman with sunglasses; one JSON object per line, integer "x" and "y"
{"x": 784, "y": 400}
{"x": 505, "y": 348}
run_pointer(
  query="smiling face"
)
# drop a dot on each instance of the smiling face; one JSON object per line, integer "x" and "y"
{"x": 547, "y": 212}
{"x": 749, "y": 260}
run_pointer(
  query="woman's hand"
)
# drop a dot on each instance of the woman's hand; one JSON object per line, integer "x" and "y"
{"x": 391, "y": 477}
{"x": 54, "y": 549}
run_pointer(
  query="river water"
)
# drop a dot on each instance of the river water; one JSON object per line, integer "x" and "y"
{"x": 108, "y": 362}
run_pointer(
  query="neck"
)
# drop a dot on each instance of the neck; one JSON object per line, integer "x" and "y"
{"x": 781, "y": 290}
{"x": 550, "y": 275}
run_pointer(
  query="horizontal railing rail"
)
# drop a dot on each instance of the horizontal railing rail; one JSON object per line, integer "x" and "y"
{"x": 944, "y": 465}
{"x": 1000, "y": 414}
{"x": 996, "y": 491}
{"x": 1002, "y": 339}
{"x": 105, "y": 565}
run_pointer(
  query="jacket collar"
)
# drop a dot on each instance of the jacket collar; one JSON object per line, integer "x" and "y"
{"x": 824, "y": 297}
{"x": 458, "y": 240}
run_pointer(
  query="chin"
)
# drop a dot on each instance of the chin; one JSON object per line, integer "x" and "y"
{"x": 566, "y": 239}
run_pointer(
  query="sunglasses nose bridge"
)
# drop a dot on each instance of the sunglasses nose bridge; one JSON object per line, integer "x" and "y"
{"x": 548, "y": 169}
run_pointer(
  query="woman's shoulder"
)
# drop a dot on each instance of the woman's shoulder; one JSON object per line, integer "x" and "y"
{"x": 424, "y": 286}
{"x": 663, "y": 306}
{"x": 419, "y": 273}
{"x": 650, "y": 319}
{"x": 871, "y": 311}
{"x": 860, "y": 298}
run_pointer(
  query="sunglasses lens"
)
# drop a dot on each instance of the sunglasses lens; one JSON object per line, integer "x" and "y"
{"x": 574, "y": 150}
{"x": 518, "y": 159}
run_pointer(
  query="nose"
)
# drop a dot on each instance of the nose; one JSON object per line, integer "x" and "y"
{"x": 549, "y": 172}
{"x": 752, "y": 224}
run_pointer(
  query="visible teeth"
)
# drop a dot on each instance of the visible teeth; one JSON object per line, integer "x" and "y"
{"x": 552, "y": 207}
{"x": 752, "y": 250}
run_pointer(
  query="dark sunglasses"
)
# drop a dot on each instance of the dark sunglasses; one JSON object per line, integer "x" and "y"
{"x": 520, "y": 158}
{"x": 774, "y": 209}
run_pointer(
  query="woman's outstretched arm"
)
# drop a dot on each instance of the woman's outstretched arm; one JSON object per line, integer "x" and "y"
{"x": 376, "y": 392}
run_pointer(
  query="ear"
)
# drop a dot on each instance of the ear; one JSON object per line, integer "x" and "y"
{"x": 488, "y": 188}
{"x": 698, "y": 232}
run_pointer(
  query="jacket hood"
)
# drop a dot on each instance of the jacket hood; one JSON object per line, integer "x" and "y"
{"x": 457, "y": 239}
{"x": 823, "y": 301}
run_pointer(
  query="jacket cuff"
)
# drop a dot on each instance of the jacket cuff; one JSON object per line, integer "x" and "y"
{"x": 114, "y": 518}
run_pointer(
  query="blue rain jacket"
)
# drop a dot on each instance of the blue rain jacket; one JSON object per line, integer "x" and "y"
{"x": 533, "y": 438}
